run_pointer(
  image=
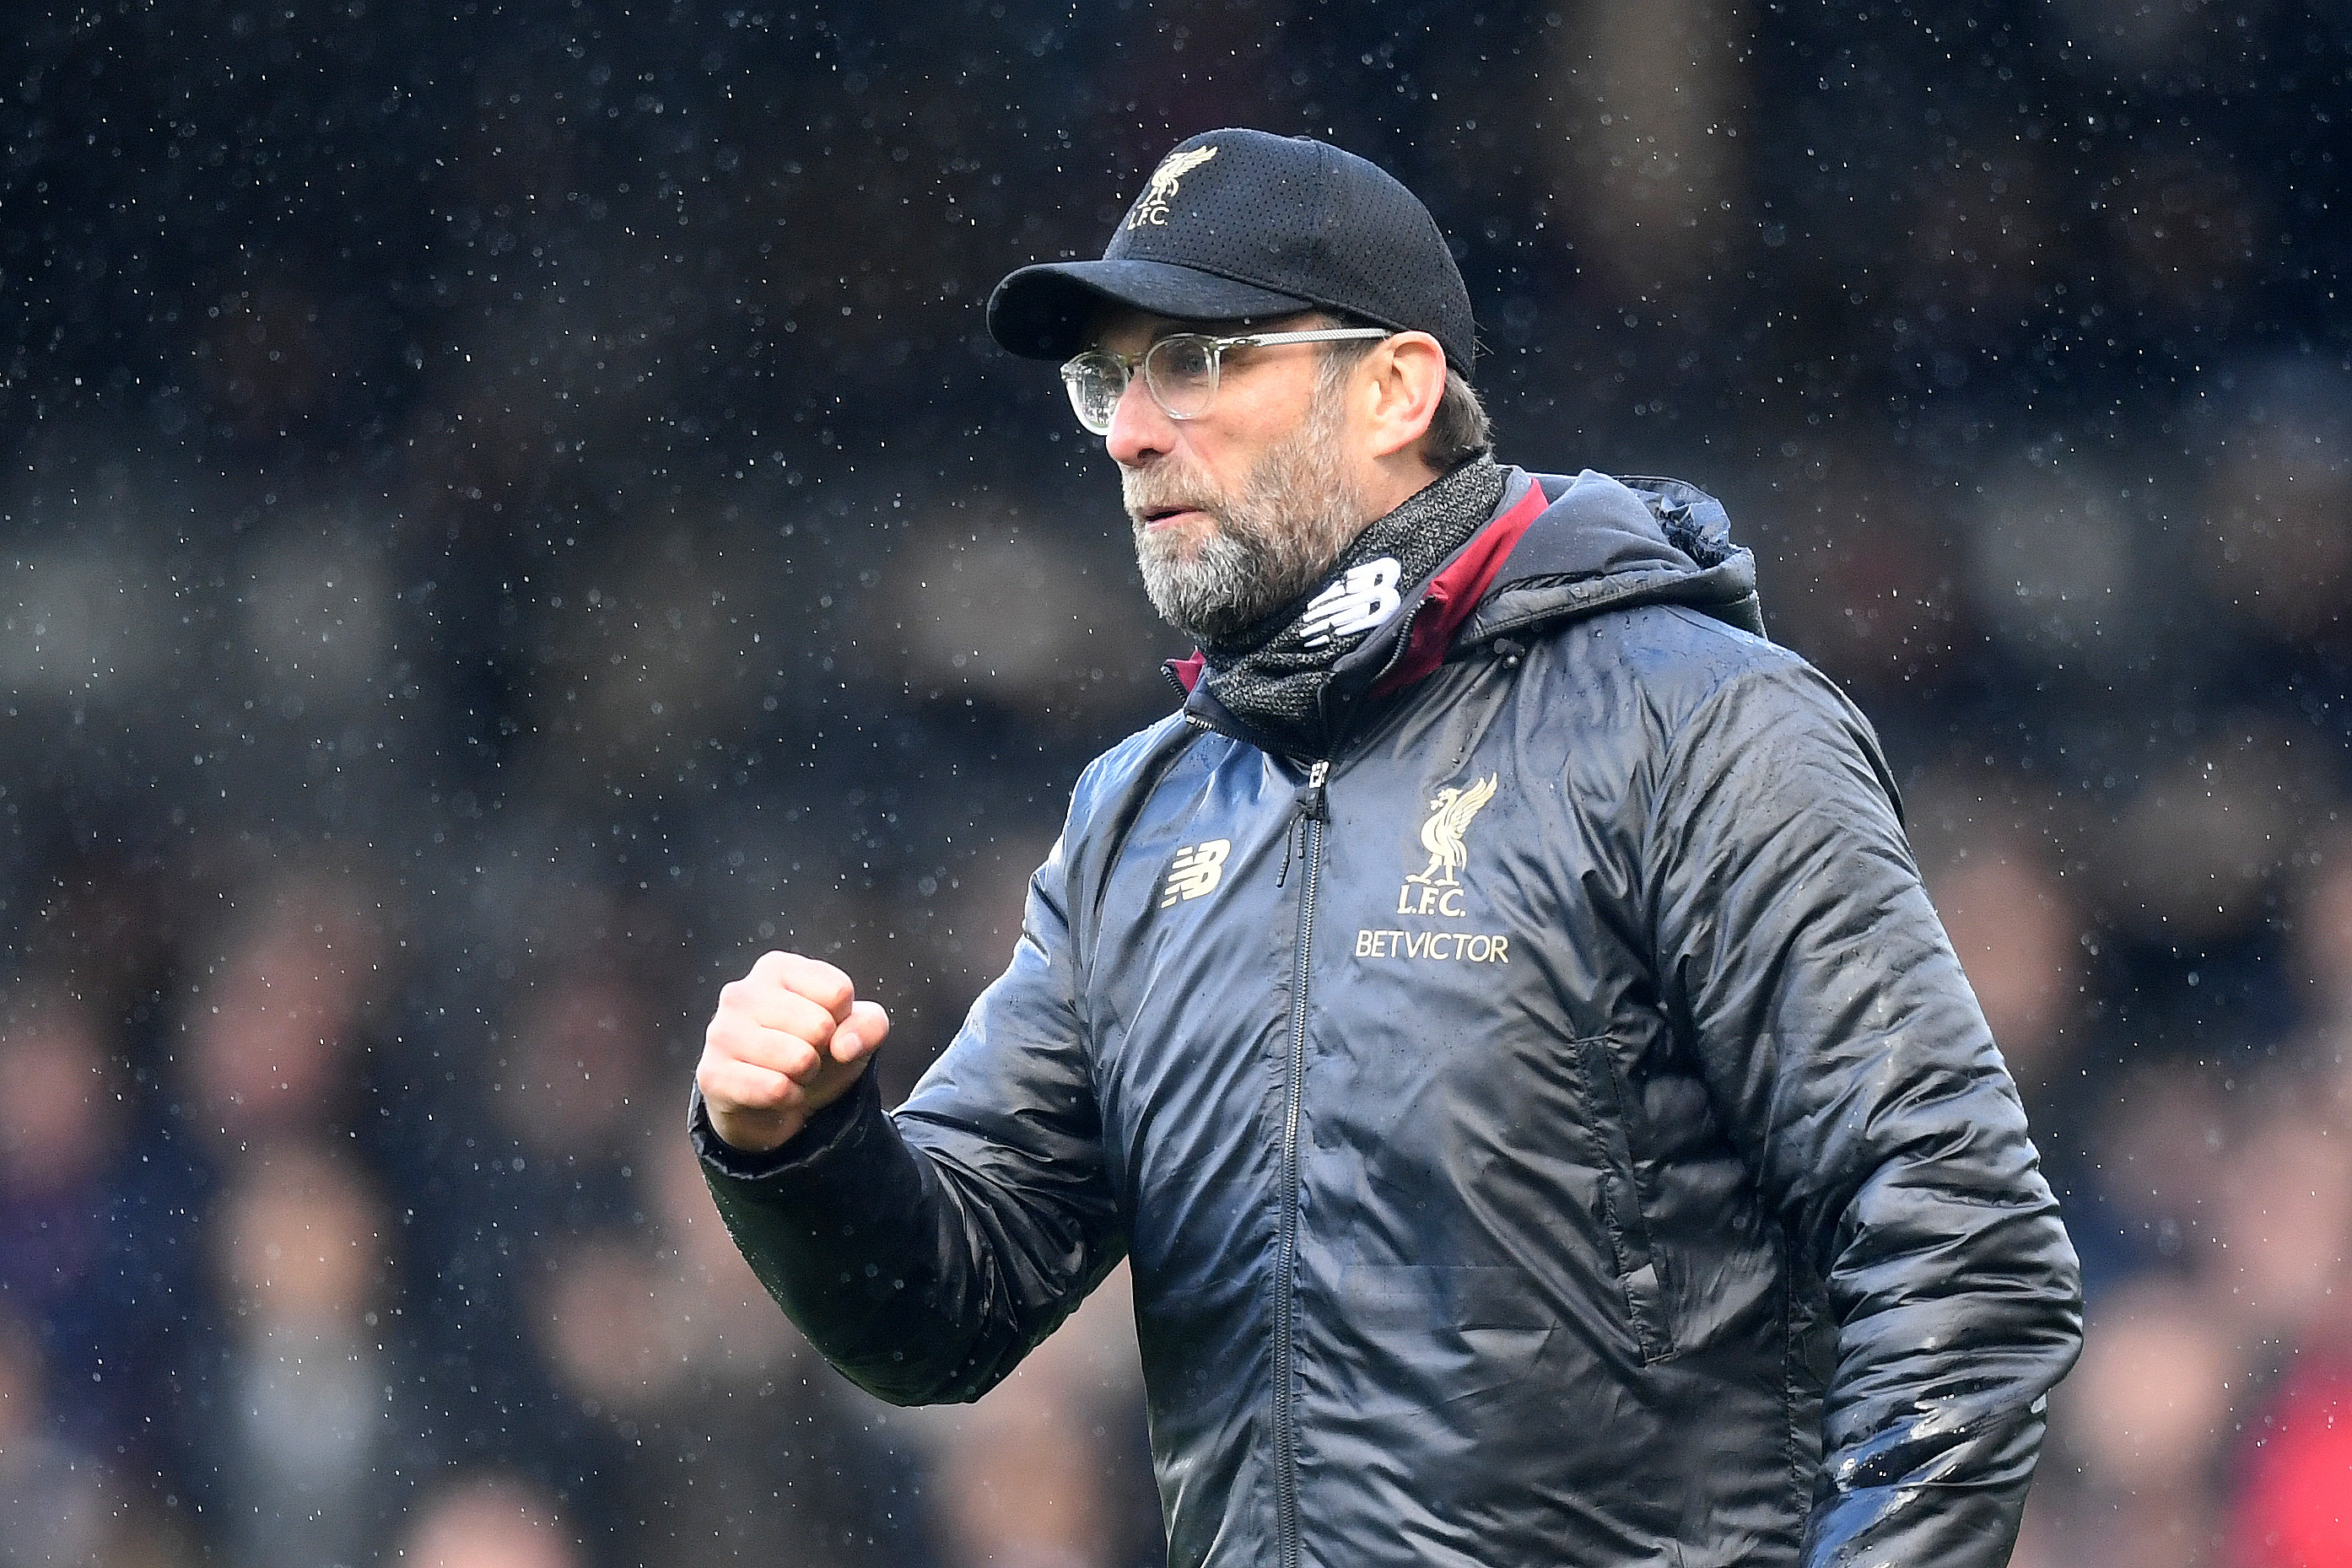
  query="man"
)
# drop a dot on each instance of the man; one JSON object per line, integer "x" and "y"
{"x": 1497, "y": 1018}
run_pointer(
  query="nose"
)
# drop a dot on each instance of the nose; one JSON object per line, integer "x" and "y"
{"x": 1140, "y": 429}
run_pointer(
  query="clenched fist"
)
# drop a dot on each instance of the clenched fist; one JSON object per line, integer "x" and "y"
{"x": 788, "y": 1039}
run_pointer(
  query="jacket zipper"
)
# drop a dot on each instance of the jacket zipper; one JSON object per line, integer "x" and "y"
{"x": 1309, "y": 823}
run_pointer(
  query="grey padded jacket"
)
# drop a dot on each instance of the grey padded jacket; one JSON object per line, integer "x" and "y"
{"x": 1553, "y": 1129}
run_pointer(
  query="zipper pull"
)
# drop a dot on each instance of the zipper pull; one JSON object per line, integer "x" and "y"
{"x": 1311, "y": 808}
{"x": 1310, "y": 797}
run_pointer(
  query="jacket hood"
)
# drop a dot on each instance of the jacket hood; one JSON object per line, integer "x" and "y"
{"x": 1596, "y": 543}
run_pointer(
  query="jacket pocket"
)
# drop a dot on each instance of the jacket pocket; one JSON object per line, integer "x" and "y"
{"x": 1622, "y": 1216}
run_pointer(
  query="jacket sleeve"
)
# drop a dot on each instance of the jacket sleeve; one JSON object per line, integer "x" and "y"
{"x": 925, "y": 1253}
{"x": 1798, "y": 951}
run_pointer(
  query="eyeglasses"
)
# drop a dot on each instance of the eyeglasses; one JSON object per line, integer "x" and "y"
{"x": 1180, "y": 371}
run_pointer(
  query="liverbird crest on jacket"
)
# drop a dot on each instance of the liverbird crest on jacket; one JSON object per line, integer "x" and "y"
{"x": 1449, "y": 818}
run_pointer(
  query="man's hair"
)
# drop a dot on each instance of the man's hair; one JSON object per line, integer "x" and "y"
{"x": 1458, "y": 427}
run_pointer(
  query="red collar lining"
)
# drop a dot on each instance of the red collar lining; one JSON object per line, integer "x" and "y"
{"x": 1456, "y": 591}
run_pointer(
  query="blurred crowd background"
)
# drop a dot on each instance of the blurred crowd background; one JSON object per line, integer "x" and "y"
{"x": 509, "y": 512}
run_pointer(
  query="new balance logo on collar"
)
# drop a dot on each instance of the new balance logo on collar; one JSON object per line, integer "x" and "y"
{"x": 1357, "y": 603}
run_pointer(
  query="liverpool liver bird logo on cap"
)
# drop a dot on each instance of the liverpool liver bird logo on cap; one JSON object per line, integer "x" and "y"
{"x": 1151, "y": 208}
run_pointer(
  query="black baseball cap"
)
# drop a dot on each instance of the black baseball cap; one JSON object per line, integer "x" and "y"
{"x": 1245, "y": 223}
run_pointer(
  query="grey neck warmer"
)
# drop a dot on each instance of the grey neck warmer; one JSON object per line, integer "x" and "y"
{"x": 1273, "y": 677}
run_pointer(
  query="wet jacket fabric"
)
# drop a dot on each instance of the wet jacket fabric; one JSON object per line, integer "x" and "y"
{"x": 1553, "y": 1128}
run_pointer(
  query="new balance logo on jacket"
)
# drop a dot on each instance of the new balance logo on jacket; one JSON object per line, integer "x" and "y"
{"x": 1195, "y": 869}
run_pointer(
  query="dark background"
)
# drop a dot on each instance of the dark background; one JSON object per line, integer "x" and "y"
{"x": 510, "y": 510}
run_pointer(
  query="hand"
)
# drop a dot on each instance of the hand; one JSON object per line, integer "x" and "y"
{"x": 788, "y": 1039}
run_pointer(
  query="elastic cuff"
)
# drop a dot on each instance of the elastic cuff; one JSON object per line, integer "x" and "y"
{"x": 816, "y": 1138}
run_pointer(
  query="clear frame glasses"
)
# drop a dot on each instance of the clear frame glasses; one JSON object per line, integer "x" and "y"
{"x": 1180, "y": 371}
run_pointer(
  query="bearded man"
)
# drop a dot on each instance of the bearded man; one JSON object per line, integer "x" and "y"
{"x": 1497, "y": 1018}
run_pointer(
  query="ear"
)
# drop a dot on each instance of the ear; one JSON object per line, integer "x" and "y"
{"x": 1402, "y": 379}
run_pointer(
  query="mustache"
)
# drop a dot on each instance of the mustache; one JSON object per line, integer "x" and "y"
{"x": 1145, "y": 491}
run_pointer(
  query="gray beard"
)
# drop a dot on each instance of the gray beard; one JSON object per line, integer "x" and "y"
{"x": 1278, "y": 538}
